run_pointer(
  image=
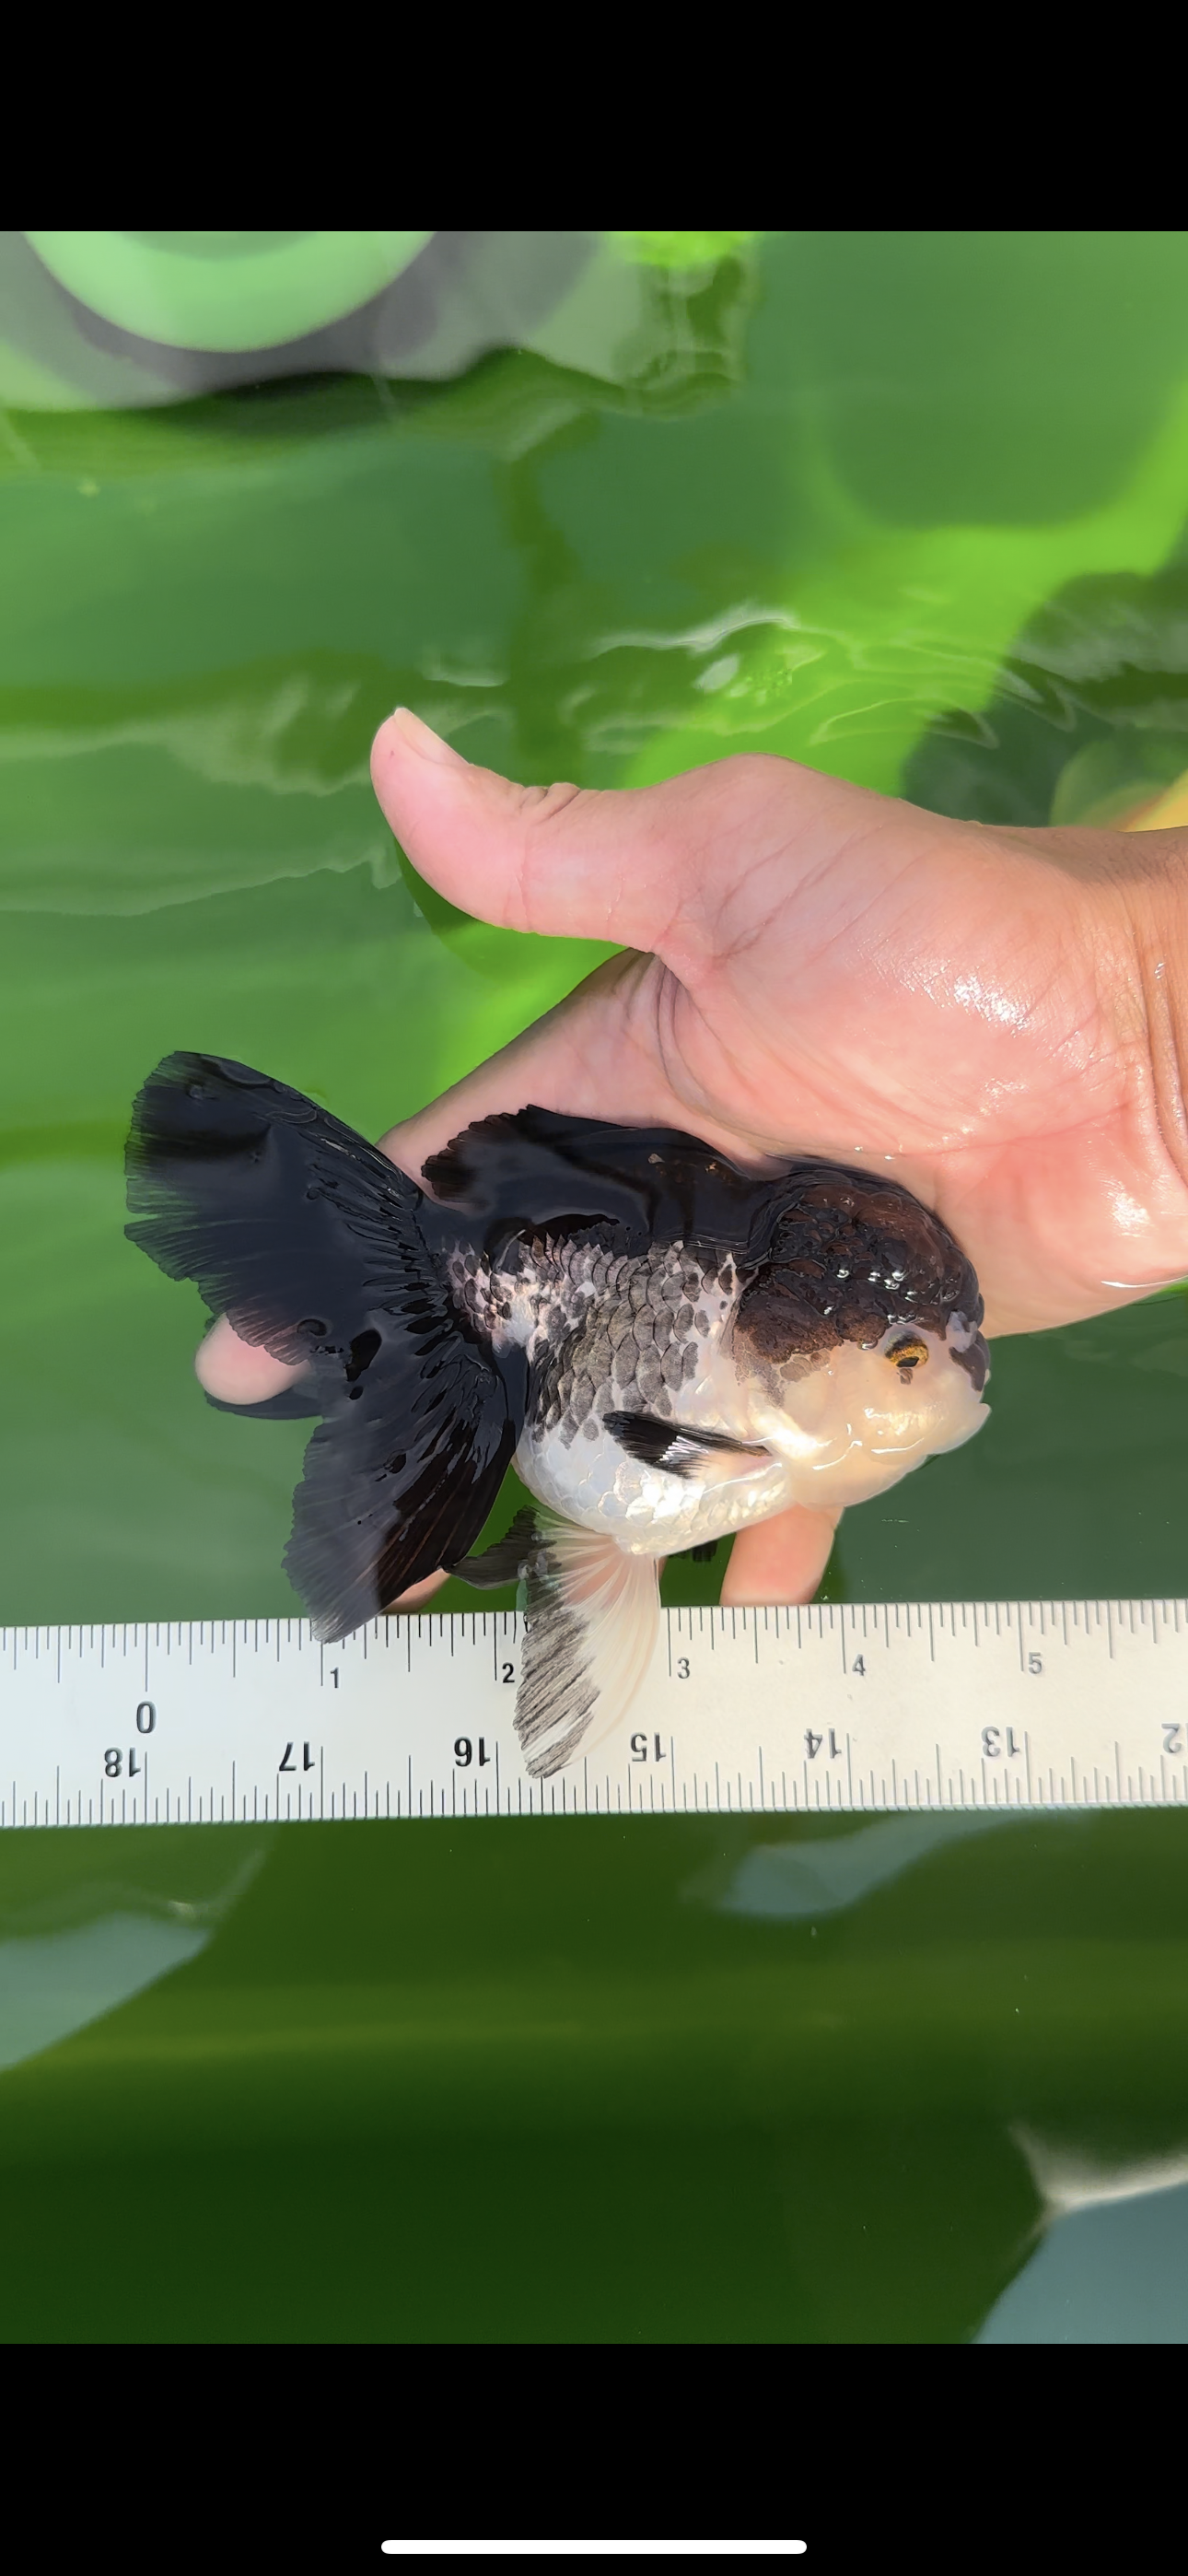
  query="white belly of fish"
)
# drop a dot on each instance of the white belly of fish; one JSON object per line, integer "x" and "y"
{"x": 646, "y": 1509}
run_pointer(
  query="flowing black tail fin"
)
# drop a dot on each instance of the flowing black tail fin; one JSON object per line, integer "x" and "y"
{"x": 307, "y": 1238}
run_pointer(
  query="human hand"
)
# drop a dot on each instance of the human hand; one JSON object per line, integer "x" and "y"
{"x": 996, "y": 1018}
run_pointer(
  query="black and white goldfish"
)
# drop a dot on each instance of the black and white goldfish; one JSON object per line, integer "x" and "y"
{"x": 666, "y": 1347}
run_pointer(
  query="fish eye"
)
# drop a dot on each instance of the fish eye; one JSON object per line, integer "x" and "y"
{"x": 910, "y": 1354}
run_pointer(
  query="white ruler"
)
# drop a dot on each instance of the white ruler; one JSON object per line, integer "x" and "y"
{"x": 975, "y": 1704}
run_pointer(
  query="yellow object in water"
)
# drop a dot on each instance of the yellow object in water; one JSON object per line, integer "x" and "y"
{"x": 1164, "y": 812}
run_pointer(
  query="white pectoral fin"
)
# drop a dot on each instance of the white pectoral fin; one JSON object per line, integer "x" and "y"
{"x": 592, "y": 1616}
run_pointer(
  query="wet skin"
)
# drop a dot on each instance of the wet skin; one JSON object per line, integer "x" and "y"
{"x": 997, "y": 1019}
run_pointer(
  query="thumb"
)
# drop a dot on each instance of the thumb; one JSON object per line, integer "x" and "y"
{"x": 571, "y": 862}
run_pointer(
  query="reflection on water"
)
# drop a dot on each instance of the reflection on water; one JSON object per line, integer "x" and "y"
{"x": 142, "y": 320}
{"x": 1087, "y": 721}
{"x": 125, "y": 800}
{"x": 1112, "y": 2266}
{"x": 57, "y": 1982}
{"x": 113, "y": 1943}
{"x": 1118, "y": 2274}
{"x": 1068, "y": 2179}
{"x": 1108, "y": 2256}
{"x": 793, "y": 1882}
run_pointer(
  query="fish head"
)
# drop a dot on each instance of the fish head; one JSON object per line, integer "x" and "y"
{"x": 858, "y": 1417}
{"x": 859, "y": 1339}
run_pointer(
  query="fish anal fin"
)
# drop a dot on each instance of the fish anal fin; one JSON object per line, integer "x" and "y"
{"x": 504, "y": 1561}
{"x": 592, "y": 1617}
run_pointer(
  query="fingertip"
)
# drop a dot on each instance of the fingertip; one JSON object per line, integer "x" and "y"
{"x": 439, "y": 804}
{"x": 417, "y": 1593}
{"x": 239, "y": 1372}
{"x": 404, "y": 733}
{"x": 782, "y": 1559}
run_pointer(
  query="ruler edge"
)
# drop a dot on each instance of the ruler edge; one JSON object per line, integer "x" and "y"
{"x": 683, "y": 1619}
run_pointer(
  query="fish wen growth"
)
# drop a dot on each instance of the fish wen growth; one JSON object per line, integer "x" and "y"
{"x": 667, "y": 1348}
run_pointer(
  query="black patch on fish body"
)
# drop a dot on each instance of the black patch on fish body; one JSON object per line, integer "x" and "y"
{"x": 824, "y": 1254}
{"x": 518, "y": 1173}
{"x": 975, "y": 1361}
{"x": 850, "y": 1256}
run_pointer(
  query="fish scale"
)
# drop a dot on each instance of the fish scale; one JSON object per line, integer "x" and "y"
{"x": 598, "y": 1357}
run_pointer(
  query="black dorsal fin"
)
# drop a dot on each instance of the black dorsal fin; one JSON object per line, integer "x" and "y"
{"x": 535, "y": 1168}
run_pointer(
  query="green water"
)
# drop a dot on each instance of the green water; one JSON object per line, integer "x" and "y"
{"x": 534, "y": 2082}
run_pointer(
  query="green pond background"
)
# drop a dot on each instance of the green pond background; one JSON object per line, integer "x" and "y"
{"x": 910, "y": 507}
